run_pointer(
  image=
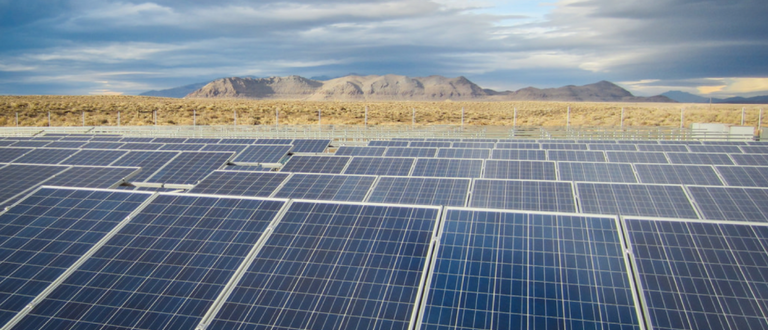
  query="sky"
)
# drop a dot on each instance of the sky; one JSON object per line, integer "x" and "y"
{"x": 81, "y": 47}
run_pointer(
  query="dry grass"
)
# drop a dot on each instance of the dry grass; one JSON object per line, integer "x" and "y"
{"x": 137, "y": 110}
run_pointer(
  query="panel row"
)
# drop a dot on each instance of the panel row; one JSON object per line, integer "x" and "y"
{"x": 84, "y": 141}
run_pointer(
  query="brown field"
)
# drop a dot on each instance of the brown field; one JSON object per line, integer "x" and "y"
{"x": 137, "y": 110}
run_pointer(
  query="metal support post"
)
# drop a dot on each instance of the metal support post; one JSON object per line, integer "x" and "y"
{"x": 154, "y": 116}
{"x": 118, "y": 118}
{"x": 681, "y": 117}
{"x": 568, "y": 119}
{"x": 194, "y": 117}
{"x": 514, "y": 121}
{"x": 17, "y": 119}
{"x": 49, "y": 119}
{"x": 413, "y": 119}
{"x": 462, "y": 118}
{"x": 742, "y": 116}
{"x": 83, "y": 118}
{"x": 366, "y": 116}
{"x": 235, "y": 113}
{"x": 622, "y": 118}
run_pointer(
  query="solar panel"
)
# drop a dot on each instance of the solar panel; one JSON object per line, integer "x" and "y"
{"x": 224, "y": 147}
{"x": 507, "y": 270}
{"x": 316, "y": 146}
{"x": 335, "y": 266}
{"x": 102, "y": 145}
{"x": 326, "y": 187}
{"x": 517, "y": 145}
{"x": 102, "y": 138}
{"x": 262, "y": 153}
{"x": 699, "y": 275}
{"x": 239, "y": 141}
{"x": 92, "y": 177}
{"x": 686, "y": 142}
{"x": 273, "y": 141}
{"x": 429, "y": 144}
{"x": 163, "y": 270}
{"x": 464, "y": 153}
{"x": 8, "y": 155}
{"x": 182, "y": 146}
{"x": 636, "y": 157}
{"x": 638, "y": 141}
{"x": 448, "y": 168}
{"x": 750, "y": 159}
{"x": 744, "y": 176}
{"x": 45, "y": 156}
{"x": 360, "y": 151}
{"x": 380, "y": 166}
{"x": 596, "y": 172}
{"x": 551, "y": 196}
{"x": 316, "y": 164}
{"x": 256, "y": 184}
{"x": 384, "y": 143}
{"x": 472, "y": 140}
{"x": 169, "y": 140}
{"x": 149, "y": 161}
{"x": 17, "y": 179}
{"x": 248, "y": 168}
{"x": 474, "y": 145}
{"x": 66, "y": 144}
{"x": 699, "y": 158}
{"x": 518, "y": 154}
{"x": 663, "y": 147}
{"x": 47, "y": 233}
{"x": 5, "y": 143}
{"x": 141, "y": 146}
{"x": 420, "y": 191}
{"x": 612, "y": 146}
{"x": 137, "y": 139}
{"x": 678, "y": 174}
{"x": 202, "y": 140}
{"x": 576, "y": 155}
{"x": 731, "y": 203}
{"x": 30, "y": 144}
{"x": 190, "y": 167}
{"x": 725, "y": 143}
{"x": 522, "y": 169}
{"x": 745, "y": 149}
{"x": 564, "y": 146}
{"x": 94, "y": 157}
{"x": 715, "y": 148}
{"x": 635, "y": 199}
{"x": 410, "y": 152}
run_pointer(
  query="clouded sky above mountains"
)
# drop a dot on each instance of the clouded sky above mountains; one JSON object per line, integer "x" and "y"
{"x": 713, "y": 48}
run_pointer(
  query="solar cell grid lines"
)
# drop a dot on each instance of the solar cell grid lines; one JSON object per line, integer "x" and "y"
{"x": 511, "y": 270}
{"x": 141, "y": 146}
{"x": 576, "y": 155}
{"x": 17, "y": 179}
{"x": 137, "y": 139}
{"x": 346, "y": 188}
{"x": 420, "y": 191}
{"x": 474, "y": 145}
{"x": 254, "y": 184}
{"x": 518, "y": 154}
{"x": 335, "y": 266}
{"x": 517, "y": 145}
{"x": 224, "y": 147}
{"x": 596, "y": 172}
{"x": 163, "y": 270}
{"x": 686, "y": 142}
{"x": 182, "y": 146}
{"x": 714, "y": 148}
{"x": 202, "y": 140}
{"x": 309, "y": 146}
{"x": 190, "y": 167}
{"x": 360, "y": 151}
{"x": 262, "y": 153}
{"x": 380, "y": 166}
{"x": 94, "y": 157}
{"x": 678, "y": 174}
{"x": 5, "y": 143}
{"x": 699, "y": 158}
{"x": 66, "y": 144}
{"x": 564, "y": 146}
{"x": 45, "y": 156}
{"x": 410, "y": 152}
{"x": 387, "y": 143}
{"x": 551, "y": 196}
{"x": 636, "y": 157}
{"x": 464, "y": 153}
{"x": 747, "y": 149}
{"x": 48, "y": 232}
{"x": 239, "y": 141}
{"x": 8, "y": 155}
{"x": 430, "y": 144}
{"x": 744, "y": 176}
{"x": 724, "y": 143}
{"x": 448, "y": 168}
{"x": 750, "y": 159}
{"x": 612, "y": 146}
{"x": 273, "y": 141}
{"x": 635, "y": 199}
{"x": 519, "y": 169}
{"x": 92, "y": 177}
{"x": 30, "y": 144}
{"x": 148, "y": 161}
{"x": 316, "y": 164}
{"x": 731, "y": 203}
{"x": 663, "y": 147}
{"x": 701, "y": 275}
{"x": 169, "y": 140}
{"x": 102, "y": 145}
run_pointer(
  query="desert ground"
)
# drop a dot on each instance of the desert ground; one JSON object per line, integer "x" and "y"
{"x": 138, "y": 110}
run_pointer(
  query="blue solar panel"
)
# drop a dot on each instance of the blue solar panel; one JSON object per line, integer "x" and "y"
{"x": 518, "y": 154}
{"x": 663, "y": 147}
{"x": 699, "y": 158}
{"x": 750, "y": 159}
{"x": 612, "y": 146}
{"x": 686, "y": 142}
{"x": 5, "y": 143}
{"x": 725, "y": 143}
{"x": 8, "y": 155}
{"x": 472, "y": 140}
{"x": 163, "y": 270}
{"x": 169, "y": 140}
{"x": 47, "y": 233}
{"x": 315, "y": 146}
{"x": 745, "y": 149}
{"x": 464, "y": 153}
{"x": 698, "y": 275}
{"x": 92, "y": 177}
{"x": 149, "y": 161}
{"x": 46, "y": 156}
{"x": 715, "y": 148}
{"x": 635, "y": 199}
{"x": 596, "y": 172}
{"x": 576, "y": 155}
{"x": 137, "y": 139}
{"x": 517, "y": 145}
{"x": 141, "y": 146}
{"x": 256, "y": 184}
{"x": 202, "y": 140}
{"x": 429, "y": 144}
{"x": 731, "y": 203}
{"x": 636, "y": 157}
{"x": 273, "y": 141}
{"x": 519, "y": 169}
{"x": 30, "y": 144}
{"x": 94, "y": 157}
{"x": 505, "y": 270}
{"x": 523, "y": 195}
{"x": 410, "y": 152}
{"x": 420, "y": 191}
{"x": 182, "y": 146}
{"x": 335, "y": 266}
{"x": 239, "y": 141}
{"x": 475, "y": 145}
{"x": 360, "y": 151}
{"x": 564, "y": 146}
{"x": 190, "y": 167}
{"x": 100, "y": 138}
{"x": 102, "y": 145}
{"x": 638, "y": 141}
{"x": 224, "y": 147}
{"x": 448, "y": 168}
{"x": 262, "y": 153}
{"x": 326, "y": 187}
{"x": 377, "y": 143}
{"x": 16, "y": 179}
{"x": 66, "y": 144}
{"x": 744, "y": 176}
{"x": 678, "y": 174}
{"x": 380, "y": 166}
{"x": 316, "y": 164}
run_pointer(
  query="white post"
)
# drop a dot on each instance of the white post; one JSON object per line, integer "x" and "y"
{"x": 83, "y": 118}
{"x": 319, "y": 118}
{"x": 49, "y": 119}
{"x": 366, "y": 116}
{"x": 681, "y": 117}
{"x": 514, "y": 121}
{"x": 462, "y": 118}
{"x": 568, "y": 119}
{"x": 235, "y": 112}
{"x": 759, "y": 119}
{"x": 277, "y": 117}
{"x": 17, "y": 118}
{"x": 154, "y": 116}
{"x": 194, "y": 117}
{"x": 413, "y": 118}
{"x": 742, "y": 116}
{"x": 118, "y": 118}
{"x": 622, "y": 118}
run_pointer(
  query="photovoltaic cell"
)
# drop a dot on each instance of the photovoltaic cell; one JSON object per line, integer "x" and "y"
{"x": 745, "y": 149}
{"x": 576, "y": 155}
{"x": 699, "y": 275}
{"x": 686, "y": 142}
{"x": 731, "y": 203}
{"x": 202, "y": 140}
{"x": 612, "y": 146}
{"x": 420, "y": 191}
{"x": 316, "y": 164}
{"x": 140, "y": 146}
{"x": 149, "y": 161}
{"x": 448, "y": 168}
{"x": 66, "y": 144}
{"x": 182, "y": 146}
{"x": 385, "y": 143}
{"x": 725, "y": 143}
{"x": 45, "y": 156}
{"x": 635, "y": 199}
{"x": 137, "y": 139}
{"x": 224, "y": 147}
{"x": 300, "y": 145}
{"x": 596, "y": 172}
{"x": 636, "y": 157}
{"x": 699, "y": 158}
{"x": 5, "y": 143}
{"x": 30, "y": 144}
{"x": 7, "y": 155}
{"x": 519, "y": 169}
{"x": 273, "y": 141}
{"x": 92, "y": 177}
{"x": 517, "y": 145}
{"x": 169, "y": 140}
{"x": 334, "y": 266}
{"x": 351, "y": 188}
{"x": 678, "y": 174}
{"x": 190, "y": 167}
{"x": 715, "y": 148}
{"x": 238, "y": 141}
{"x": 663, "y": 147}
{"x": 464, "y": 153}
{"x": 550, "y": 196}
{"x": 255, "y": 184}
{"x": 360, "y": 151}
{"x": 262, "y": 153}
{"x": 429, "y": 144}
{"x": 94, "y": 157}
{"x": 380, "y": 166}
{"x": 475, "y": 145}
{"x": 518, "y": 154}
{"x": 508, "y": 270}
{"x": 564, "y": 146}
{"x": 16, "y": 179}
{"x": 749, "y": 159}
{"x": 163, "y": 270}
{"x": 102, "y": 145}
{"x": 744, "y": 176}
{"x": 47, "y": 233}
{"x": 410, "y": 152}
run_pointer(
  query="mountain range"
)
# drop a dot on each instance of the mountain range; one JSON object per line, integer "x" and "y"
{"x": 396, "y": 88}
{"x": 684, "y": 97}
